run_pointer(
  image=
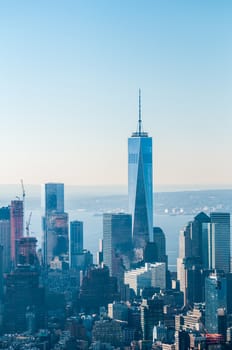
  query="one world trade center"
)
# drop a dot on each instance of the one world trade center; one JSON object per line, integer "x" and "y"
{"x": 140, "y": 186}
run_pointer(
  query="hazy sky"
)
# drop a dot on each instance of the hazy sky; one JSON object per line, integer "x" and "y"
{"x": 69, "y": 78}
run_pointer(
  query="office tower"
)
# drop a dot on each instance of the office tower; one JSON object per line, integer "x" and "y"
{"x": 57, "y": 235}
{"x": 197, "y": 241}
{"x": 75, "y": 241}
{"x": 116, "y": 241}
{"x": 140, "y": 188}
{"x": 23, "y": 293}
{"x": 16, "y": 223}
{"x": 150, "y": 253}
{"x": 108, "y": 332}
{"x": 27, "y": 251}
{"x": 215, "y": 299}
{"x": 191, "y": 259}
{"x": 160, "y": 243}
{"x": 97, "y": 289}
{"x": 184, "y": 252}
{"x": 100, "y": 252}
{"x": 54, "y": 197}
{"x": 219, "y": 242}
{"x": 182, "y": 340}
{"x": 150, "y": 275}
{"x": 55, "y": 223}
{"x": 5, "y": 237}
{"x": 82, "y": 261}
{"x": 151, "y": 315}
{"x": 1, "y": 272}
{"x": 118, "y": 311}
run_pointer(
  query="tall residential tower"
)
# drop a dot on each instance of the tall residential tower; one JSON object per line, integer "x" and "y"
{"x": 140, "y": 185}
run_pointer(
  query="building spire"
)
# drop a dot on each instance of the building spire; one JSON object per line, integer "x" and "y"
{"x": 139, "y": 131}
{"x": 140, "y": 120}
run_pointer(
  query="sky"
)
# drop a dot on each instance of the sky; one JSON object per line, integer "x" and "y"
{"x": 69, "y": 78}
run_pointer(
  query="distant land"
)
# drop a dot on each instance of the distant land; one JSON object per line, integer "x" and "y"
{"x": 173, "y": 202}
{"x": 172, "y": 209}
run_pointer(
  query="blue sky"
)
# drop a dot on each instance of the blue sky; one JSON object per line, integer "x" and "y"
{"x": 69, "y": 78}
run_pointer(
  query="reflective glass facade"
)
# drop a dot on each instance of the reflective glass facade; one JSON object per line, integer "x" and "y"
{"x": 140, "y": 188}
{"x": 54, "y": 197}
{"x": 215, "y": 298}
{"x": 216, "y": 242}
{"x": 116, "y": 240}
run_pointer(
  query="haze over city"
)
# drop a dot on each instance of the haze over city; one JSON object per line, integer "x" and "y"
{"x": 70, "y": 73}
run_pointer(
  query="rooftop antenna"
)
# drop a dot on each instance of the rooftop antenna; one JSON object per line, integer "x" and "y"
{"x": 140, "y": 120}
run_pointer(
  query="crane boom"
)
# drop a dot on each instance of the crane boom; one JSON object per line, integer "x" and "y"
{"x": 28, "y": 223}
{"x": 24, "y": 195}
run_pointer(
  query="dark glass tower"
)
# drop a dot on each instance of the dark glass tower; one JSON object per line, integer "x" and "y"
{"x": 116, "y": 241}
{"x": 54, "y": 197}
{"x": 75, "y": 242}
{"x": 140, "y": 185}
{"x": 215, "y": 299}
{"x": 55, "y": 223}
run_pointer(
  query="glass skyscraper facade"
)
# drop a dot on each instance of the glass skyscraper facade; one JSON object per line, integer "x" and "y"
{"x": 215, "y": 299}
{"x": 55, "y": 222}
{"x": 54, "y": 197}
{"x": 140, "y": 185}
{"x": 75, "y": 242}
{"x": 116, "y": 240}
{"x": 216, "y": 242}
{"x": 220, "y": 244}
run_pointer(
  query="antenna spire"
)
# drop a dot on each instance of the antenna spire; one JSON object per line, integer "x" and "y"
{"x": 140, "y": 120}
{"x": 139, "y": 130}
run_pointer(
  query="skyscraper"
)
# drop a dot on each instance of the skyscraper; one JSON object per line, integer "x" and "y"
{"x": 5, "y": 237}
{"x": 192, "y": 248}
{"x": 140, "y": 185}
{"x": 23, "y": 292}
{"x": 215, "y": 299}
{"x": 216, "y": 242}
{"x": 54, "y": 197}
{"x": 116, "y": 241}
{"x": 219, "y": 244}
{"x": 57, "y": 235}
{"x": 75, "y": 241}
{"x": 160, "y": 244}
{"x": 55, "y": 222}
{"x": 16, "y": 223}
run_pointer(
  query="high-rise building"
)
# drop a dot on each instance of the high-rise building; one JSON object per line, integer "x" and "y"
{"x": 54, "y": 197}
{"x": 160, "y": 243}
{"x": 5, "y": 237}
{"x": 118, "y": 311}
{"x": 1, "y": 273}
{"x": 140, "y": 185}
{"x": 116, "y": 241}
{"x": 216, "y": 242}
{"x": 27, "y": 251}
{"x": 191, "y": 260}
{"x": 151, "y": 315}
{"x": 22, "y": 294}
{"x": 219, "y": 244}
{"x": 150, "y": 275}
{"x": 75, "y": 241}
{"x": 16, "y": 223}
{"x": 97, "y": 289}
{"x": 55, "y": 223}
{"x": 215, "y": 299}
{"x": 57, "y": 235}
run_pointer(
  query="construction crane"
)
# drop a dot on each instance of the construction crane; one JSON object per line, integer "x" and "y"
{"x": 28, "y": 223}
{"x": 23, "y": 192}
{"x": 24, "y": 195}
